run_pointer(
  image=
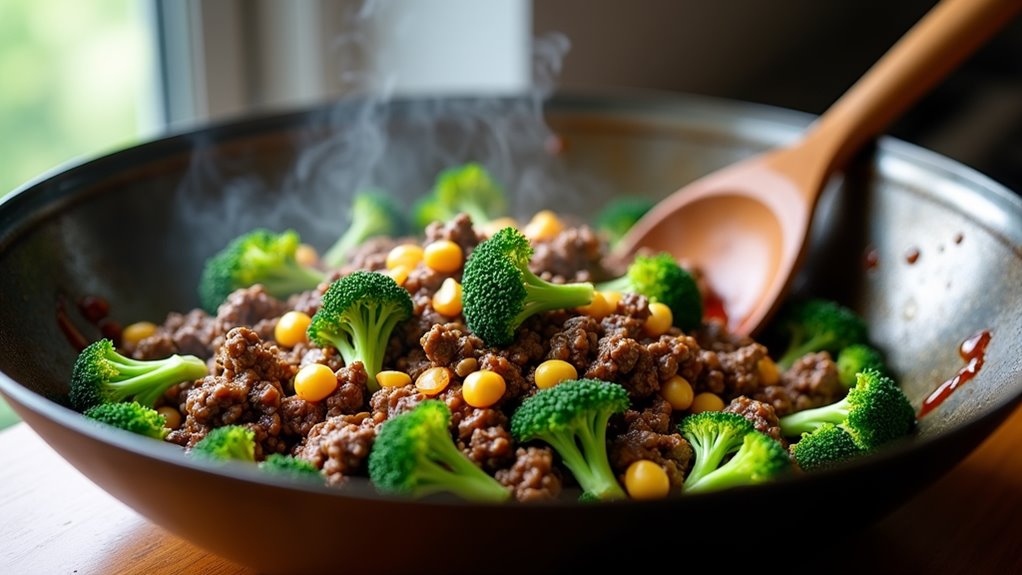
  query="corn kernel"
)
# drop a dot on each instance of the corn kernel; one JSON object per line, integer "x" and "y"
{"x": 306, "y": 255}
{"x": 399, "y": 274}
{"x": 315, "y": 382}
{"x": 466, "y": 366}
{"x": 408, "y": 255}
{"x": 291, "y": 328}
{"x": 597, "y": 309}
{"x": 646, "y": 480}
{"x": 659, "y": 320}
{"x": 447, "y": 299}
{"x": 554, "y": 371}
{"x": 433, "y": 380}
{"x": 136, "y": 332}
{"x": 171, "y": 416}
{"x": 483, "y": 388}
{"x": 613, "y": 298}
{"x": 768, "y": 373}
{"x": 677, "y": 391}
{"x": 543, "y": 226}
{"x": 706, "y": 401}
{"x": 393, "y": 379}
{"x": 493, "y": 226}
{"x": 443, "y": 256}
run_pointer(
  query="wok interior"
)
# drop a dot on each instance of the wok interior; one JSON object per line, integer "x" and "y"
{"x": 135, "y": 227}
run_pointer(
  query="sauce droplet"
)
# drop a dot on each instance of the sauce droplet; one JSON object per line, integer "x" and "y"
{"x": 93, "y": 308}
{"x": 912, "y": 255}
{"x": 959, "y": 237}
{"x": 872, "y": 258}
{"x": 713, "y": 307}
{"x": 973, "y": 352}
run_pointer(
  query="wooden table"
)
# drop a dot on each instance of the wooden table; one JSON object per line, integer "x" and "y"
{"x": 53, "y": 520}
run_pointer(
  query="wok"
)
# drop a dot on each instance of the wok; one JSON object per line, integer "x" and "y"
{"x": 135, "y": 226}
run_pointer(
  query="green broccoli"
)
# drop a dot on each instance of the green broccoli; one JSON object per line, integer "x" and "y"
{"x": 131, "y": 416}
{"x": 357, "y": 315}
{"x": 291, "y": 467}
{"x": 818, "y": 325}
{"x": 826, "y": 447}
{"x": 464, "y": 189}
{"x": 572, "y": 417}
{"x": 855, "y": 359}
{"x": 713, "y": 436}
{"x": 499, "y": 291}
{"x": 414, "y": 455}
{"x": 661, "y": 279}
{"x": 760, "y": 458}
{"x": 102, "y": 375}
{"x": 257, "y": 257}
{"x": 230, "y": 442}
{"x": 874, "y": 412}
{"x": 372, "y": 214}
{"x": 619, "y": 215}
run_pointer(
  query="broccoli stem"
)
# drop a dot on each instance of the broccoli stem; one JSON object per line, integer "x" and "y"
{"x": 542, "y": 295}
{"x": 282, "y": 282}
{"x": 621, "y": 284}
{"x": 146, "y": 384}
{"x": 359, "y": 230}
{"x": 449, "y": 470}
{"x": 364, "y": 332}
{"x": 808, "y": 420}
{"x": 590, "y": 465}
{"x": 797, "y": 351}
{"x": 709, "y": 454}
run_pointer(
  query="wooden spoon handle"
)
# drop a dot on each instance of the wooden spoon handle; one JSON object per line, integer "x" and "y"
{"x": 929, "y": 51}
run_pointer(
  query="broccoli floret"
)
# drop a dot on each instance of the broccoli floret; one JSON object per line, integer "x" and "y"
{"x": 227, "y": 443}
{"x": 572, "y": 417}
{"x": 464, "y": 189}
{"x": 819, "y": 325}
{"x": 759, "y": 459}
{"x": 499, "y": 291}
{"x": 414, "y": 455}
{"x": 713, "y": 436}
{"x": 357, "y": 315}
{"x": 291, "y": 467}
{"x": 102, "y": 375}
{"x": 619, "y": 215}
{"x": 874, "y": 412}
{"x": 130, "y": 416}
{"x": 824, "y": 448}
{"x": 661, "y": 279}
{"x": 372, "y": 214}
{"x": 257, "y": 257}
{"x": 855, "y": 359}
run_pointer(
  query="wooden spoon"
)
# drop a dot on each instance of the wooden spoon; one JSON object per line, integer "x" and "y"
{"x": 745, "y": 226}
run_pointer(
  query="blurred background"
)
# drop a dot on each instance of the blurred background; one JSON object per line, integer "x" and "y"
{"x": 84, "y": 77}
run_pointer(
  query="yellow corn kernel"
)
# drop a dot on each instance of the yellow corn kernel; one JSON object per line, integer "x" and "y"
{"x": 443, "y": 256}
{"x": 646, "y": 480}
{"x": 408, "y": 255}
{"x": 543, "y": 226}
{"x": 447, "y": 299}
{"x": 768, "y": 372}
{"x": 314, "y": 382}
{"x": 597, "y": 309}
{"x": 554, "y": 371}
{"x": 433, "y": 380}
{"x": 136, "y": 332}
{"x": 483, "y": 388}
{"x": 466, "y": 366}
{"x": 399, "y": 274}
{"x": 306, "y": 255}
{"x": 659, "y": 320}
{"x": 171, "y": 416}
{"x": 706, "y": 401}
{"x": 291, "y": 328}
{"x": 493, "y": 226}
{"x": 677, "y": 391}
{"x": 613, "y": 298}
{"x": 393, "y": 379}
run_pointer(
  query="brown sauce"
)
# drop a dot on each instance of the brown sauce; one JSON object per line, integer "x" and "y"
{"x": 973, "y": 352}
{"x": 912, "y": 255}
{"x": 872, "y": 258}
{"x": 959, "y": 237}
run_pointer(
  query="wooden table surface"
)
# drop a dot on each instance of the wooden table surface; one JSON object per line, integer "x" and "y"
{"x": 54, "y": 521}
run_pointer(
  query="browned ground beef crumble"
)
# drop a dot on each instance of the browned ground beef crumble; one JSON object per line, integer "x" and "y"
{"x": 251, "y": 380}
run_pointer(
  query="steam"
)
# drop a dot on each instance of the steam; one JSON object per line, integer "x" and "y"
{"x": 373, "y": 140}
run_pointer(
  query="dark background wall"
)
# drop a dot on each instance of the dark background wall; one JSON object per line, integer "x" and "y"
{"x": 800, "y": 54}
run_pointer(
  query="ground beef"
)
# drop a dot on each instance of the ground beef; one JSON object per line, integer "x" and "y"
{"x": 634, "y": 306}
{"x": 307, "y": 302}
{"x": 627, "y": 362}
{"x": 714, "y": 335}
{"x": 447, "y": 344}
{"x": 349, "y": 397}
{"x": 528, "y": 345}
{"x": 622, "y": 325}
{"x": 654, "y": 416}
{"x": 577, "y": 342}
{"x": 390, "y": 401}
{"x": 192, "y": 333}
{"x": 246, "y": 390}
{"x": 458, "y": 230}
{"x": 372, "y": 254}
{"x": 573, "y": 255}
{"x": 762, "y": 415}
{"x": 299, "y": 416}
{"x": 741, "y": 369}
{"x": 670, "y": 451}
{"x": 812, "y": 381}
{"x": 672, "y": 353}
{"x": 423, "y": 281}
{"x": 517, "y": 385}
{"x": 247, "y": 307}
{"x": 339, "y": 446}
{"x": 533, "y": 476}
